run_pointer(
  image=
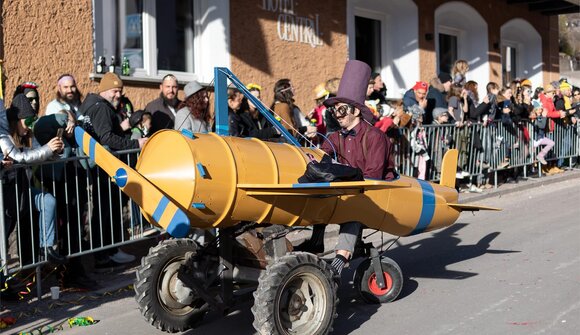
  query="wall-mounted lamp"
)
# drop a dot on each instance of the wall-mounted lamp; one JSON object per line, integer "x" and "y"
{"x": 428, "y": 36}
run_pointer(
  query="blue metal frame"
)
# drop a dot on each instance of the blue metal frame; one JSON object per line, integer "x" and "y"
{"x": 221, "y": 103}
{"x": 221, "y": 108}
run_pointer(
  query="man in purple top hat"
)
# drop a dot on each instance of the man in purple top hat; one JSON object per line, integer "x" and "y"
{"x": 357, "y": 144}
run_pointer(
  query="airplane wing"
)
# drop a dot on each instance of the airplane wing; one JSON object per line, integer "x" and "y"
{"x": 472, "y": 208}
{"x": 319, "y": 189}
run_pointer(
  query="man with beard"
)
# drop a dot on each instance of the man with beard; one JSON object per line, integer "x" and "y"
{"x": 99, "y": 119}
{"x": 68, "y": 101}
{"x": 164, "y": 108}
{"x": 68, "y": 97}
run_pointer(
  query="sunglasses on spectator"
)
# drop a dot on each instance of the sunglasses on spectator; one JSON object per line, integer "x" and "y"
{"x": 577, "y": 94}
{"x": 31, "y": 99}
{"x": 341, "y": 111}
{"x": 29, "y": 121}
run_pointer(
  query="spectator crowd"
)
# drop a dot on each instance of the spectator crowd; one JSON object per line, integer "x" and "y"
{"x": 32, "y": 134}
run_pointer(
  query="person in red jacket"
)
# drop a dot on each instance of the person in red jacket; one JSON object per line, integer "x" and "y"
{"x": 547, "y": 100}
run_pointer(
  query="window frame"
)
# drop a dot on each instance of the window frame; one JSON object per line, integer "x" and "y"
{"x": 105, "y": 23}
{"x": 451, "y": 32}
{"x": 517, "y": 48}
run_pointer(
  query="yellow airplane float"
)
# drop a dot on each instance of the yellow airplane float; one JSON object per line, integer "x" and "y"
{"x": 185, "y": 180}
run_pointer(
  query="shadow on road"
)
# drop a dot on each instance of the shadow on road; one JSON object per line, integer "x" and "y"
{"x": 431, "y": 257}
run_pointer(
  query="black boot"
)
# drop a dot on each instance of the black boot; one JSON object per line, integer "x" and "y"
{"x": 315, "y": 244}
{"x": 51, "y": 255}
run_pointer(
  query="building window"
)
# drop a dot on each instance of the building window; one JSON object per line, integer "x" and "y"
{"x": 158, "y": 37}
{"x": 509, "y": 63}
{"x": 447, "y": 52}
{"x": 368, "y": 42}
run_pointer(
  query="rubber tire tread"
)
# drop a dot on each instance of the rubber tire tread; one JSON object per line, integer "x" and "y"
{"x": 146, "y": 286}
{"x": 365, "y": 270}
{"x": 269, "y": 281}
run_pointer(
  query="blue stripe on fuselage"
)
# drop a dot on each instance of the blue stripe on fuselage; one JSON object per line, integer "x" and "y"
{"x": 160, "y": 208}
{"x": 428, "y": 209}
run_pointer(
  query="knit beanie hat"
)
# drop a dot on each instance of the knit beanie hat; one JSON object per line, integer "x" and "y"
{"x": 416, "y": 112}
{"x": 438, "y": 111}
{"x": 29, "y": 86}
{"x": 109, "y": 81}
{"x": 20, "y": 108}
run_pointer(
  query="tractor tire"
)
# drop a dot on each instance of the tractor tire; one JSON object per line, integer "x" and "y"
{"x": 157, "y": 288}
{"x": 365, "y": 281}
{"x": 295, "y": 295}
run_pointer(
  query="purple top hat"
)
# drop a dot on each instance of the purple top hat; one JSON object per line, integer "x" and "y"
{"x": 353, "y": 87}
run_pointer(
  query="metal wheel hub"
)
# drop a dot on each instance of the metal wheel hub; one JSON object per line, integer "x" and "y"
{"x": 296, "y": 305}
{"x": 172, "y": 292}
{"x": 374, "y": 286}
{"x": 302, "y": 303}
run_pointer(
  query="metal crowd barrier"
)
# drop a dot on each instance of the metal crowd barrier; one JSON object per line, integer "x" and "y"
{"x": 487, "y": 149}
{"x": 94, "y": 215}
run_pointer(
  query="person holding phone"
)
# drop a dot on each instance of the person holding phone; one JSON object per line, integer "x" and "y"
{"x": 21, "y": 147}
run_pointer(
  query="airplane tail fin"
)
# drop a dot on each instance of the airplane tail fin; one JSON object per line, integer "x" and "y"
{"x": 449, "y": 168}
{"x": 472, "y": 208}
{"x": 164, "y": 212}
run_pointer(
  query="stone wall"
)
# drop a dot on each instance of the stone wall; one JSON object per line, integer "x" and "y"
{"x": 45, "y": 39}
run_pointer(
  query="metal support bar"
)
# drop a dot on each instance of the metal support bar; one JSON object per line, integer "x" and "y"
{"x": 274, "y": 242}
{"x": 221, "y": 102}
{"x": 226, "y": 261}
{"x": 263, "y": 110}
{"x": 377, "y": 267}
{"x": 38, "y": 283}
{"x": 187, "y": 277}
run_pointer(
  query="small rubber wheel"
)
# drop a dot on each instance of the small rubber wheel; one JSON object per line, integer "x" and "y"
{"x": 365, "y": 281}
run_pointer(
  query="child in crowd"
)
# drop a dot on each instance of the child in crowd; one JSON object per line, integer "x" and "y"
{"x": 419, "y": 142}
{"x": 442, "y": 139}
{"x": 539, "y": 117}
{"x": 140, "y": 122}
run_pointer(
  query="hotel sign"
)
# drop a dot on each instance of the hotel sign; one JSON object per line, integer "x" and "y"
{"x": 292, "y": 27}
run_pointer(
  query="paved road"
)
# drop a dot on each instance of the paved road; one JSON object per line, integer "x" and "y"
{"x": 510, "y": 272}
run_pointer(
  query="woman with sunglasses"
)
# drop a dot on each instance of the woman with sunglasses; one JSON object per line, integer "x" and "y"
{"x": 21, "y": 147}
{"x": 30, "y": 90}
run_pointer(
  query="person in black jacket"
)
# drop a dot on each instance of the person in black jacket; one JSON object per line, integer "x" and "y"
{"x": 436, "y": 96}
{"x": 240, "y": 120}
{"x": 99, "y": 119}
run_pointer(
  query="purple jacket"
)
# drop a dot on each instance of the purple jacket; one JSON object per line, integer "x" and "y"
{"x": 349, "y": 148}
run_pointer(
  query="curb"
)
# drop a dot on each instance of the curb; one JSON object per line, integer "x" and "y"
{"x": 115, "y": 286}
{"x": 521, "y": 186}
